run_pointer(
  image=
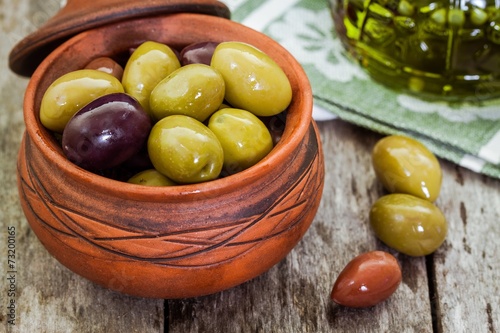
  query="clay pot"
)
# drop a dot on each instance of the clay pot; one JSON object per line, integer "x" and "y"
{"x": 81, "y": 15}
{"x": 172, "y": 242}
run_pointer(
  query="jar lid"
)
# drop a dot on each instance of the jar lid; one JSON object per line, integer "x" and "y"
{"x": 80, "y": 15}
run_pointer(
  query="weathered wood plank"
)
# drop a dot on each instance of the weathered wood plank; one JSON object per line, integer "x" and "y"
{"x": 468, "y": 267}
{"x": 48, "y": 297}
{"x": 294, "y": 295}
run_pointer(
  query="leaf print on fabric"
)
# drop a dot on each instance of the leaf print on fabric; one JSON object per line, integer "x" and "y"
{"x": 464, "y": 114}
{"x": 315, "y": 44}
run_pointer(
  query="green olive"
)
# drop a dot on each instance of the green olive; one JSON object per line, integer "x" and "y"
{"x": 194, "y": 90}
{"x": 244, "y": 138}
{"x": 151, "y": 177}
{"x": 254, "y": 81}
{"x": 404, "y": 165}
{"x": 478, "y": 16}
{"x": 185, "y": 150}
{"x": 408, "y": 224}
{"x": 72, "y": 91}
{"x": 150, "y": 63}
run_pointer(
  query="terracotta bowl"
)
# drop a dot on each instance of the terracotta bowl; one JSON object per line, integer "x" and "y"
{"x": 172, "y": 242}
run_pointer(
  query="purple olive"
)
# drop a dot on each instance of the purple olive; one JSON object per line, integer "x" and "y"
{"x": 198, "y": 53}
{"x": 106, "y": 132}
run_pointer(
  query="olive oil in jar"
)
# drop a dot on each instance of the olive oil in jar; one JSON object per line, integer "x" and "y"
{"x": 444, "y": 49}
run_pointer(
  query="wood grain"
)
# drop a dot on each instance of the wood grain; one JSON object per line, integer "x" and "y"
{"x": 455, "y": 290}
{"x": 49, "y": 298}
{"x": 467, "y": 267}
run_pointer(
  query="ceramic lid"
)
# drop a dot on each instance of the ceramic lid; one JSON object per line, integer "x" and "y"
{"x": 81, "y": 15}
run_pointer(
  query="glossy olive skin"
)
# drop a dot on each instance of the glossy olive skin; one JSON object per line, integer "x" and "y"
{"x": 72, "y": 91}
{"x": 198, "y": 53}
{"x": 367, "y": 280}
{"x": 194, "y": 90}
{"x": 404, "y": 165}
{"x": 149, "y": 63}
{"x": 185, "y": 150}
{"x": 106, "y": 65}
{"x": 408, "y": 224}
{"x": 150, "y": 177}
{"x": 254, "y": 82}
{"x": 244, "y": 138}
{"x": 106, "y": 132}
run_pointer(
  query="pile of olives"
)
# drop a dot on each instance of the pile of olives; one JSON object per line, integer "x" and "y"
{"x": 170, "y": 117}
{"x": 406, "y": 219}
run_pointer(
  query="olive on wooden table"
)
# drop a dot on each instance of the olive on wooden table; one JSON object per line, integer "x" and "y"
{"x": 404, "y": 165}
{"x": 198, "y": 53}
{"x": 254, "y": 81}
{"x": 151, "y": 177}
{"x": 106, "y": 132}
{"x": 194, "y": 90}
{"x": 106, "y": 65}
{"x": 72, "y": 91}
{"x": 408, "y": 224}
{"x": 185, "y": 150}
{"x": 367, "y": 280}
{"x": 244, "y": 138}
{"x": 150, "y": 63}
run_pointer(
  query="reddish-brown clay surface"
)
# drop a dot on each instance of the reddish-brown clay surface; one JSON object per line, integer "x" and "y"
{"x": 173, "y": 242}
{"x": 81, "y": 15}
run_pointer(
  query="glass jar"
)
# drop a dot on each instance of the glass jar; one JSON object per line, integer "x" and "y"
{"x": 433, "y": 48}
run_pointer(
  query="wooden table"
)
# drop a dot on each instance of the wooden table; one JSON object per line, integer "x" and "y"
{"x": 455, "y": 290}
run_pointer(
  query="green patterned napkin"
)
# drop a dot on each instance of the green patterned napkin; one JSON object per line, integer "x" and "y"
{"x": 466, "y": 134}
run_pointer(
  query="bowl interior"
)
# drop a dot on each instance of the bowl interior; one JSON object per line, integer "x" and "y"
{"x": 176, "y": 30}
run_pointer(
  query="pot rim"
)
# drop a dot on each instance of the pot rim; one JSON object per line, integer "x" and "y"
{"x": 298, "y": 122}
{"x": 80, "y": 15}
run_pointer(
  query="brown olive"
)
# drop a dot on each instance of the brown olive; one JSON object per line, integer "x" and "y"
{"x": 106, "y": 65}
{"x": 367, "y": 280}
